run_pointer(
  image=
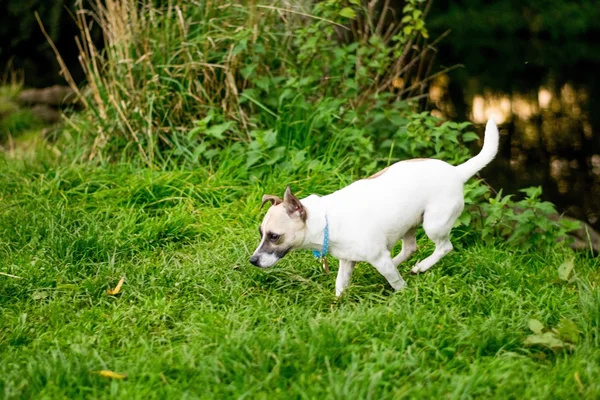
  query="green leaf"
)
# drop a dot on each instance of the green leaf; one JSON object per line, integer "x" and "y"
{"x": 464, "y": 219}
{"x": 532, "y": 192}
{"x": 546, "y": 207}
{"x": 568, "y": 330}
{"x": 275, "y": 155}
{"x": 350, "y": 84}
{"x": 253, "y": 158}
{"x": 547, "y": 339}
{"x": 535, "y": 326}
{"x": 262, "y": 82}
{"x": 194, "y": 131}
{"x": 299, "y": 157}
{"x": 314, "y": 164}
{"x": 249, "y": 94}
{"x": 565, "y": 269}
{"x": 208, "y": 154}
{"x": 269, "y": 138}
{"x": 39, "y": 295}
{"x": 348, "y": 12}
{"x": 248, "y": 70}
{"x": 217, "y": 131}
{"x": 242, "y": 45}
{"x": 469, "y": 137}
{"x": 355, "y": 2}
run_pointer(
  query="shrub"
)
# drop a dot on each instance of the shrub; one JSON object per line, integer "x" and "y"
{"x": 179, "y": 81}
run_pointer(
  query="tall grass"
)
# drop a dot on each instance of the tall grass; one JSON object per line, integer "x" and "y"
{"x": 163, "y": 68}
{"x": 174, "y": 77}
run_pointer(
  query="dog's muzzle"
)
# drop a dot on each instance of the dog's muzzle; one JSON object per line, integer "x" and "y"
{"x": 266, "y": 260}
{"x": 254, "y": 260}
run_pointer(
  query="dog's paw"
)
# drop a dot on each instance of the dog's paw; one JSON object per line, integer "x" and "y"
{"x": 398, "y": 286}
{"x": 417, "y": 269}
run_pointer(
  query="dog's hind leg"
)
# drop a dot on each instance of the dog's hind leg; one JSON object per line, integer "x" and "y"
{"x": 386, "y": 267}
{"x": 343, "y": 277}
{"x": 409, "y": 246}
{"x": 437, "y": 224}
{"x": 442, "y": 247}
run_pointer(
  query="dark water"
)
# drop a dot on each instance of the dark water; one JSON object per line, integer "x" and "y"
{"x": 543, "y": 89}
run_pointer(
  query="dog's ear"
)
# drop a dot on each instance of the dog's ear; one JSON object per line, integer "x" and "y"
{"x": 270, "y": 198}
{"x": 292, "y": 204}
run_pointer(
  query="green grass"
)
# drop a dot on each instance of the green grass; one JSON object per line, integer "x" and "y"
{"x": 195, "y": 320}
{"x": 239, "y": 92}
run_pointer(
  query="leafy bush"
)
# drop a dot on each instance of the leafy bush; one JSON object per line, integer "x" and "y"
{"x": 180, "y": 81}
{"x": 526, "y": 222}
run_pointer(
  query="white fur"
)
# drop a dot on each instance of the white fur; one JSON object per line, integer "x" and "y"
{"x": 267, "y": 260}
{"x": 368, "y": 217}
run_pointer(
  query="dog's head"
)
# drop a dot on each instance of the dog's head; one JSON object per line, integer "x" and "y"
{"x": 282, "y": 229}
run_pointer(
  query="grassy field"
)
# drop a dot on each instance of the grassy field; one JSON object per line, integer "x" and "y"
{"x": 194, "y": 110}
{"x": 194, "y": 320}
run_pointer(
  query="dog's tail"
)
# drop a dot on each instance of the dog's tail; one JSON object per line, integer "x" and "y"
{"x": 485, "y": 156}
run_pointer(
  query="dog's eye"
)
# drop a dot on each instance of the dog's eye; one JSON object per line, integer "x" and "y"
{"x": 274, "y": 237}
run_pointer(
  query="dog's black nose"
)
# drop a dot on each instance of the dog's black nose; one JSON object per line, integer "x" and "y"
{"x": 254, "y": 260}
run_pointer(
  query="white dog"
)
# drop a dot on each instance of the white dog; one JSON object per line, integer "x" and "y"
{"x": 363, "y": 221}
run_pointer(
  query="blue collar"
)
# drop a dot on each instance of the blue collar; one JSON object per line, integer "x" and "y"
{"x": 323, "y": 252}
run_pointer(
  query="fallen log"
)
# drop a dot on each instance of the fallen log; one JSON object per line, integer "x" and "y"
{"x": 52, "y": 96}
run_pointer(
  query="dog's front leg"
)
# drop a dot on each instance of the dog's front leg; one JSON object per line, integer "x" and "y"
{"x": 386, "y": 267}
{"x": 343, "y": 277}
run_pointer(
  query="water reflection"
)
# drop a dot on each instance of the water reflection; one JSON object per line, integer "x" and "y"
{"x": 547, "y": 139}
